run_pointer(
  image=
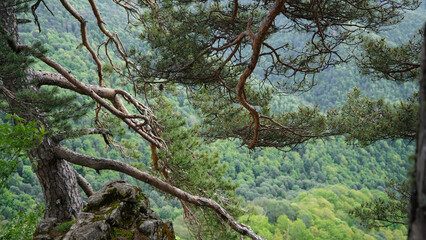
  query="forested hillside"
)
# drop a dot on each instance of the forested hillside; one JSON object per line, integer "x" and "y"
{"x": 305, "y": 192}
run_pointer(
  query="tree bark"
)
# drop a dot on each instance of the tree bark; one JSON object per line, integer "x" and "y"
{"x": 418, "y": 200}
{"x": 56, "y": 176}
{"x": 59, "y": 183}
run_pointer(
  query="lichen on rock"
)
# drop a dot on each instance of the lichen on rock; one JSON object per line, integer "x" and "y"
{"x": 117, "y": 211}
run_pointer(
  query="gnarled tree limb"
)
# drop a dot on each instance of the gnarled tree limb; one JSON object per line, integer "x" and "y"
{"x": 118, "y": 108}
{"x": 256, "y": 47}
{"x": 84, "y": 184}
{"x": 101, "y": 164}
{"x": 85, "y": 42}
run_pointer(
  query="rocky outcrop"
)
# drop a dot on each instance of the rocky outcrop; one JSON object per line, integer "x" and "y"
{"x": 118, "y": 211}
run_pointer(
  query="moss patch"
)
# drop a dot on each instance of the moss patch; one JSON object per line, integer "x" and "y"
{"x": 65, "y": 226}
{"x": 113, "y": 206}
{"x": 108, "y": 198}
{"x": 98, "y": 218}
{"x": 123, "y": 234}
{"x": 142, "y": 199}
{"x": 166, "y": 232}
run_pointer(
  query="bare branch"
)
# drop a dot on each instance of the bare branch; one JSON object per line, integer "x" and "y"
{"x": 101, "y": 164}
{"x": 234, "y": 11}
{"x": 113, "y": 37}
{"x": 8, "y": 94}
{"x": 256, "y": 46}
{"x": 79, "y": 132}
{"x": 84, "y": 184}
{"x": 118, "y": 108}
{"x": 33, "y": 10}
{"x": 83, "y": 31}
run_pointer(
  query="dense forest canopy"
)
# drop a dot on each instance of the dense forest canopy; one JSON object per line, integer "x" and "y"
{"x": 158, "y": 80}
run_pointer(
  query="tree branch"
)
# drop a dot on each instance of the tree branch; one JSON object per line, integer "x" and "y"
{"x": 118, "y": 109}
{"x": 33, "y": 10}
{"x": 85, "y": 42}
{"x": 113, "y": 37}
{"x": 234, "y": 11}
{"x": 79, "y": 132}
{"x": 84, "y": 184}
{"x": 256, "y": 46}
{"x": 101, "y": 164}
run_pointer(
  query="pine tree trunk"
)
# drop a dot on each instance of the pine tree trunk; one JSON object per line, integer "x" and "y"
{"x": 59, "y": 184}
{"x": 418, "y": 201}
{"x": 56, "y": 176}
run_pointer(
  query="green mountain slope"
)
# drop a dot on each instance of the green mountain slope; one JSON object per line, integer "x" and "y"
{"x": 302, "y": 194}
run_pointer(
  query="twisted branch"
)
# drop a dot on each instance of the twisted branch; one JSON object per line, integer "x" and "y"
{"x": 102, "y": 164}
{"x": 256, "y": 46}
{"x": 85, "y": 42}
{"x": 118, "y": 109}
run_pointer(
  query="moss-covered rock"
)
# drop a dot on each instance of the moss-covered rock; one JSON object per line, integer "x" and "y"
{"x": 118, "y": 211}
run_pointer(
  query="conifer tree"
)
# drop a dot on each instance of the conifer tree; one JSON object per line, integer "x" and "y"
{"x": 417, "y": 211}
{"x": 209, "y": 48}
{"x": 228, "y": 43}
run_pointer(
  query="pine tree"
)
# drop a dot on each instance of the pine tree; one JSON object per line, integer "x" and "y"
{"x": 234, "y": 58}
{"x": 209, "y": 48}
{"x": 417, "y": 211}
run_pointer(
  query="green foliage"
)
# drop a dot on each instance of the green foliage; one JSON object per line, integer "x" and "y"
{"x": 122, "y": 233}
{"x": 321, "y": 214}
{"x": 183, "y": 49}
{"x": 274, "y": 174}
{"x": 19, "y": 195}
{"x": 15, "y": 140}
{"x": 23, "y": 226}
{"x": 60, "y": 109}
{"x": 208, "y": 67}
{"x": 223, "y": 120}
{"x": 65, "y": 226}
{"x": 186, "y": 39}
{"x": 274, "y": 180}
{"x": 298, "y": 230}
{"x": 259, "y": 224}
{"x": 195, "y": 170}
{"x": 388, "y": 210}
{"x": 364, "y": 121}
{"x": 382, "y": 60}
{"x": 186, "y": 156}
{"x": 51, "y": 106}
{"x": 15, "y": 62}
{"x": 180, "y": 229}
{"x": 234, "y": 120}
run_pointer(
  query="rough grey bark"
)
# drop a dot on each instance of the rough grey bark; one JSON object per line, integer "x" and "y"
{"x": 8, "y": 21}
{"x": 56, "y": 176}
{"x": 59, "y": 183}
{"x": 418, "y": 201}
